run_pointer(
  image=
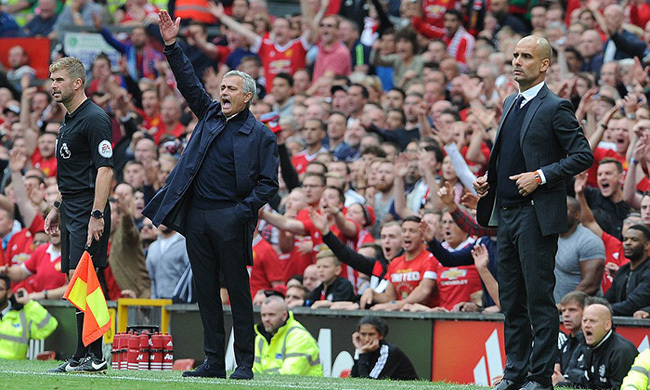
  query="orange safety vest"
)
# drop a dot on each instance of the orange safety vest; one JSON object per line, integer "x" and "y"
{"x": 196, "y": 10}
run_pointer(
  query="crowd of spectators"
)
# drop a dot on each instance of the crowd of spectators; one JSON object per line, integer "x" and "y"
{"x": 384, "y": 112}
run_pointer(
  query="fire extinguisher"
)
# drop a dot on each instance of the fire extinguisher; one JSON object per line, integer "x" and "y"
{"x": 168, "y": 352}
{"x": 156, "y": 352}
{"x": 143, "y": 356}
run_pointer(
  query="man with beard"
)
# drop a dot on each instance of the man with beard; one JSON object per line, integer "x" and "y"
{"x": 630, "y": 289}
{"x": 84, "y": 175}
{"x": 580, "y": 257}
{"x": 283, "y": 345}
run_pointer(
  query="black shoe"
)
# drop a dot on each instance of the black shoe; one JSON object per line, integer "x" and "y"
{"x": 507, "y": 384}
{"x": 91, "y": 364}
{"x": 206, "y": 370}
{"x": 242, "y": 373}
{"x": 532, "y": 385}
{"x": 66, "y": 366}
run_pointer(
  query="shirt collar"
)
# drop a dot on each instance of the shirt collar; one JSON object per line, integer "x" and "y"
{"x": 6, "y": 309}
{"x": 54, "y": 254}
{"x": 532, "y": 92}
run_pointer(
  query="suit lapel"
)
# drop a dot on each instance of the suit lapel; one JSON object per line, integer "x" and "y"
{"x": 534, "y": 105}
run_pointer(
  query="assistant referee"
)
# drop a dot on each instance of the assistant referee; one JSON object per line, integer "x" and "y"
{"x": 84, "y": 173}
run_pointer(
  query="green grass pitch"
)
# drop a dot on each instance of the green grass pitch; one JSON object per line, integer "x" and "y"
{"x": 31, "y": 375}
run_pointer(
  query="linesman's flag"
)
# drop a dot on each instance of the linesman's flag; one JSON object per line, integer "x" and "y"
{"x": 85, "y": 293}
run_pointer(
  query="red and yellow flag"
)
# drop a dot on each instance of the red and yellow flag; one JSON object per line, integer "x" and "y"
{"x": 85, "y": 293}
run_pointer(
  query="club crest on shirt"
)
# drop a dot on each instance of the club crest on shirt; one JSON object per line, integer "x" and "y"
{"x": 65, "y": 151}
{"x": 105, "y": 149}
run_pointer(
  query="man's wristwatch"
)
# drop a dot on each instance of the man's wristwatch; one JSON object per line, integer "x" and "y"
{"x": 97, "y": 214}
{"x": 57, "y": 204}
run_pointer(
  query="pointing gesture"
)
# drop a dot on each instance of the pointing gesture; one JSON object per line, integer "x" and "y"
{"x": 168, "y": 27}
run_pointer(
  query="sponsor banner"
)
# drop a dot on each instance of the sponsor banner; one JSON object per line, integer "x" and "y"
{"x": 473, "y": 351}
{"x": 86, "y": 46}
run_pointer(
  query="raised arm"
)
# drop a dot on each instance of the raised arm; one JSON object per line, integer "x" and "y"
{"x": 586, "y": 216}
{"x": 188, "y": 83}
{"x": 218, "y": 11}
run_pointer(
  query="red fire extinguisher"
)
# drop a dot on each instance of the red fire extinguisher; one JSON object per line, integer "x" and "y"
{"x": 143, "y": 356}
{"x": 168, "y": 352}
{"x": 156, "y": 352}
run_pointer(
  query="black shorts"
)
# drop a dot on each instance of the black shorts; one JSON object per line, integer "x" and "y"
{"x": 75, "y": 215}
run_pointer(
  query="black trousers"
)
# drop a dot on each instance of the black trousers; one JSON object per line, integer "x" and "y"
{"x": 75, "y": 215}
{"x": 526, "y": 260}
{"x": 218, "y": 242}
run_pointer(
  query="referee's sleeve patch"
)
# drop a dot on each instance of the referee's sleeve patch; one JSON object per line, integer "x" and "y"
{"x": 105, "y": 149}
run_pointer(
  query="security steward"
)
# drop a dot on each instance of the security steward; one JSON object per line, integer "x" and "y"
{"x": 283, "y": 345}
{"x": 227, "y": 172}
{"x": 639, "y": 376}
{"x": 21, "y": 319}
{"x": 84, "y": 173}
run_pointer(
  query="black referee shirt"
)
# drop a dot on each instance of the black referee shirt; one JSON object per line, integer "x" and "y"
{"x": 83, "y": 146}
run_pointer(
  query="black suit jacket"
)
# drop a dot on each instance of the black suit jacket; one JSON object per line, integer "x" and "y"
{"x": 255, "y": 150}
{"x": 551, "y": 139}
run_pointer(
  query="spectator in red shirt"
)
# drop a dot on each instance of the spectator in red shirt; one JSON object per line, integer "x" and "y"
{"x": 43, "y": 157}
{"x": 43, "y": 271}
{"x": 412, "y": 276}
{"x": 170, "y": 115}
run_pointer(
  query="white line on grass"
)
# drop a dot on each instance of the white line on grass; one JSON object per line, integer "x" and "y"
{"x": 254, "y": 383}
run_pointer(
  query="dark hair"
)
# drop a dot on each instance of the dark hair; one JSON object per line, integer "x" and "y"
{"x": 377, "y": 322}
{"x": 611, "y": 160}
{"x": 7, "y": 281}
{"x": 452, "y": 112}
{"x": 411, "y": 218}
{"x": 400, "y": 112}
{"x": 642, "y": 229}
{"x": 338, "y": 191}
{"x": 285, "y": 76}
{"x": 575, "y": 52}
{"x": 372, "y": 149}
{"x": 456, "y": 13}
{"x": 379, "y": 253}
{"x": 364, "y": 90}
{"x": 408, "y": 34}
{"x": 401, "y": 92}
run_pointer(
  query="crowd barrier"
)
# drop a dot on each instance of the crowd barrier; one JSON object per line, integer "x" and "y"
{"x": 454, "y": 347}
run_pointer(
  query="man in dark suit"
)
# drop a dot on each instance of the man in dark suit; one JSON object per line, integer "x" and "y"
{"x": 226, "y": 173}
{"x": 538, "y": 146}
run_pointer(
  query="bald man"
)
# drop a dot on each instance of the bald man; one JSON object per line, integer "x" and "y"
{"x": 524, "y": 194}
{"x": 605, "y": 357}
